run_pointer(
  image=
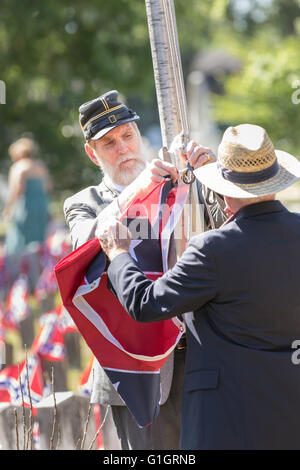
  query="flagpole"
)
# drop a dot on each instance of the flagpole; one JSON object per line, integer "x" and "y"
{"x": 169, "y": 115}
{"x": 171, "y": 100}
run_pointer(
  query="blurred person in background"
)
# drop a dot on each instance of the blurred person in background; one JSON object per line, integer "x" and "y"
{"x": 26, "y": 209}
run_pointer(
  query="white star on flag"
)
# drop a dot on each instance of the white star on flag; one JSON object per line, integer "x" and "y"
{"x": 132, "y": 247}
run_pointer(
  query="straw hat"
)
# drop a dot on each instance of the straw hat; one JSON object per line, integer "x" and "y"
{"x": 248, "y": 165}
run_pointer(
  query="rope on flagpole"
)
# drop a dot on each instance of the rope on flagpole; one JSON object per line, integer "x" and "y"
{"x": 171, "y": 95}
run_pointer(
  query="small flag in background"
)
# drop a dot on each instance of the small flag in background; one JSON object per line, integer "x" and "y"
{"x": 10, "y": 391}
{"x": 86, "y": 380}
{"x": 2, "y": 338}
{"x": 17, "y": 306}
{"x": 49, "y": 342}
{"x": 131, "y": 353}
{"x": 46, "y": 284}
{"x": 66, "y": 321}
{"x": 98, "y": 423}
{"x": 56, "y": 247}
{"x": 2, "y": 325}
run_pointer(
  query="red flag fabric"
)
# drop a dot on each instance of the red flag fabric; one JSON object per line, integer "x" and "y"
{"x": 2, "y": 325}
{"x": 98, "y": 423}
{"x": 66, "y": 322}
{"x": 58, "y": 244}
{"x": 10, "y": 391}
{"x": 46, "y": 284}
{"x": 131, "y": 353}
{"x": 55, "y": 248}
{"x": 49, "y": 343}
{"x": 86, "y": 380}
{"x": 17, "y": 306}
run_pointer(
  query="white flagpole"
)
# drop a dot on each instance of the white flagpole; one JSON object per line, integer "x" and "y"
{"x": 163, "y": 73}
{"x": 171, "y": 101}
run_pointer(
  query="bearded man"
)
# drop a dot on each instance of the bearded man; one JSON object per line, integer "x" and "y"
{"x": 114, "y": 143}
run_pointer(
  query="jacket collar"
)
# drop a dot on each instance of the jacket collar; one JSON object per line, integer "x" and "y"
{"x": 108, "y": 185}
{"x": 259, "y": 208}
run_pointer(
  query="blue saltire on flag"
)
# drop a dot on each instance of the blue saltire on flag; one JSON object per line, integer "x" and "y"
{"x": 131, "y": 353}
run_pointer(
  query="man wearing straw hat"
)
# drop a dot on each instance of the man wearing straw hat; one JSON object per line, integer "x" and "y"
{"x": 241, "y": 386}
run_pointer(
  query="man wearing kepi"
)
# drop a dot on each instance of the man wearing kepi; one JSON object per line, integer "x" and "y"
{"x": 114, "y": 143}
{"x": 241, "y": 387}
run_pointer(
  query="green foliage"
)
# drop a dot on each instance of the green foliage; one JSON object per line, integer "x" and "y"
{"x": 264, "y": 92}
{"x": 56, "y": 55}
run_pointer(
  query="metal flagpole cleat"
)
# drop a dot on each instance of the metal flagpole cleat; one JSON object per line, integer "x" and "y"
{"x": 187, "y": 175}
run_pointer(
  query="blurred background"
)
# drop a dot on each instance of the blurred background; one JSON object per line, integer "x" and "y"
{"x": 241, "y": 63}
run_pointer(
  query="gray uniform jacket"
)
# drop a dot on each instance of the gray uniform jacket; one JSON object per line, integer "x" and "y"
{"x": 84, "y": 211}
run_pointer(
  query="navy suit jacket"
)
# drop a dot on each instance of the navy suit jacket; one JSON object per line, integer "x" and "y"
{"x": 241, "y": 388}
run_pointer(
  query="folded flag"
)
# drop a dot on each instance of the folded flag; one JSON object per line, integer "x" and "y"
{"x": 131, "y": 353}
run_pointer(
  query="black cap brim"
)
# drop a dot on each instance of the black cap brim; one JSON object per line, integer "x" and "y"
{"x": 104, "y": 131}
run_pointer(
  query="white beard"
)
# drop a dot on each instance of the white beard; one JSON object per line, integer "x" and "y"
{"x": 123, "y": 177}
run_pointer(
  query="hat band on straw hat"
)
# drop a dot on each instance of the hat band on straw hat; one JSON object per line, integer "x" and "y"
{"x": 248, "y": 165}
{"x": 250, "y": 177}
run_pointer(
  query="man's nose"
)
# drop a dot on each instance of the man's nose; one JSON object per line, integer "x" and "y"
{"x": 122, "y": 147}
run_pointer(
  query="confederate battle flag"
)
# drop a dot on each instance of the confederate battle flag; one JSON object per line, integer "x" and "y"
{"x": 10, "y": 391}
{"x": 49, "y": 343}
{"x": 17, "y": 306}
{"x": 131, "y": 353}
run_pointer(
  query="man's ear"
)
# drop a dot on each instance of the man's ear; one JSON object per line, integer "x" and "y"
{"x": 90, "y": 153}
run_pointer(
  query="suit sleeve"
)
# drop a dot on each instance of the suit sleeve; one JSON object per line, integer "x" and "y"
{"x": 82, "y": 220}
{"x": 189, "y": 285}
